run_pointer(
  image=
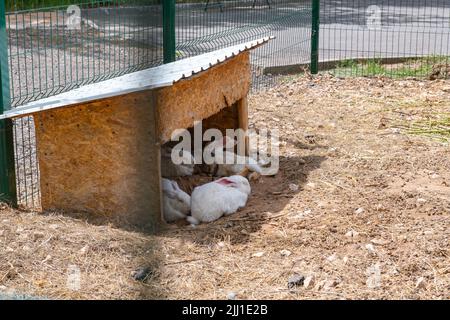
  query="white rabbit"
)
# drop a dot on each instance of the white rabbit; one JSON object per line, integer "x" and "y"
{"x": 176, "y": 202}
{"x": 228, "y": 163}
{"x": 170, "y": 169}
{"x": 221, "y": 197}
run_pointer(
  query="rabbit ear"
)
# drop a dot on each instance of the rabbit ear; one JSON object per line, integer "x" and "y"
{"x": 225, "y": 182}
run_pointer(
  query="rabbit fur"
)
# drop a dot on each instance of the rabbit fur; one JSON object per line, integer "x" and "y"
{"x": 221, "y": 197}
{"x": 176, "y": 202}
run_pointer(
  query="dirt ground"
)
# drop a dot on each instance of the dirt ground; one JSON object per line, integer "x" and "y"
{"x": 369, "y": 220}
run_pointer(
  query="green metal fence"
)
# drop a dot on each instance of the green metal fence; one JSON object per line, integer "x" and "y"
{"x": 408, "y": 38}
{"x": 7, "y": 173}
{"x": 58, "y": 47}
{"x": 201, "y": 28}
{"x": 52, "y": 46}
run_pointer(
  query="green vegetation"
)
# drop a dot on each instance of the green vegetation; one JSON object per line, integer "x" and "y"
{"x": 418, "y": 67}
{"x": 16, "y": 5}
{"x": 436, "y": 127}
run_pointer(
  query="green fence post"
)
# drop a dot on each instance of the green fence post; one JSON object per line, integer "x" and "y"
{"x": 169, "y": 30}
{"x": 7, "y": 172}
{"x": 315, "y": 36}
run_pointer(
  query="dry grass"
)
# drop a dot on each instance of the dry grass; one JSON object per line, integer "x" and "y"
{"x": 357, "y": 169}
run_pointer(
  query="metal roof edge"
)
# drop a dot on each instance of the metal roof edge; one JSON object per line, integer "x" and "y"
{"x": 157, "y": 77}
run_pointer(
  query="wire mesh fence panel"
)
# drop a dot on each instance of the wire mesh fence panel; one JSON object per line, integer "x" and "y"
{"x": 385, "y": 37}
{"x": 209, "y": 25}
{"x": 58, "y": 45}
{"x": 27, "y": 171}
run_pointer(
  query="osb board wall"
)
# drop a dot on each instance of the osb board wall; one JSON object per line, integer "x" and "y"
{"x": 227, "y": 118}
{"x": 202, "y": 96}
{"x": 102, "y": 158}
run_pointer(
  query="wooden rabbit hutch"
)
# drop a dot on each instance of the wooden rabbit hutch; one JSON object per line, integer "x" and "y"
{"x": 99, "y": 145}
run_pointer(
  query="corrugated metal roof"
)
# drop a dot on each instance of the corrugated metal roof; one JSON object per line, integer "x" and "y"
{"x": 161, "y": 76}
